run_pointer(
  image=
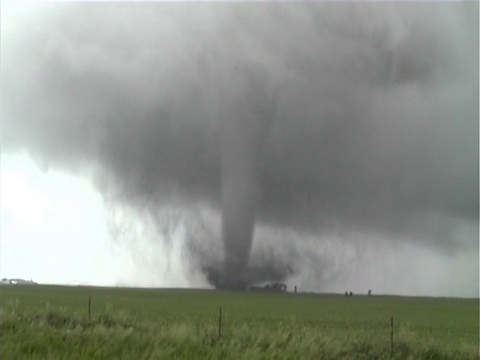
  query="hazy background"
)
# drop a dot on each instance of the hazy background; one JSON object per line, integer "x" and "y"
{"x": 112, "y": 117}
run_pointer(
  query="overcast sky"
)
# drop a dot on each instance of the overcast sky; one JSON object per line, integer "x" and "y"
{"x": 368, "y": 179}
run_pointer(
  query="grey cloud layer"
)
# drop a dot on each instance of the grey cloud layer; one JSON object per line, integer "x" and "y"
{"x": 375, "y": 106}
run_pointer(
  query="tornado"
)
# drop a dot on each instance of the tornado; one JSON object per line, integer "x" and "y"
{"x": 280, "y": 133}
{"x": 247, "y": 118}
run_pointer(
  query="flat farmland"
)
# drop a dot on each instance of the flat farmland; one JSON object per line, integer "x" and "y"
{"x": 53, "y": 322}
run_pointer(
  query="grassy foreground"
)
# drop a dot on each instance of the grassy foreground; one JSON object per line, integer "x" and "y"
{"x": 51, "y": 322}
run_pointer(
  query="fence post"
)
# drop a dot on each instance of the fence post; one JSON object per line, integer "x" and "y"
{"x": 391, "y": 334}
{"x": 89, "y": 307}
{"x": 220, "y": 323}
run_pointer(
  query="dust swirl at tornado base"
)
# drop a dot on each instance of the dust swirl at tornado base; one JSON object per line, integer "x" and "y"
{"x": 271, "y": 130}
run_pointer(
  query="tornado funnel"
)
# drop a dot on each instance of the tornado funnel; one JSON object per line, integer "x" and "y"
{"x": 246, "y": 120}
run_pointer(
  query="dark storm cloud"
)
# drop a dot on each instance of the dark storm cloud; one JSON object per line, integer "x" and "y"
{"x": 302, "y": 116}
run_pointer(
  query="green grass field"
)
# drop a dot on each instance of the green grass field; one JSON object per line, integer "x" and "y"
{"x": 51, "y": 322}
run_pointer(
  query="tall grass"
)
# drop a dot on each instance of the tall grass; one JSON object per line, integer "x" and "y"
{"x": 52, "y": 323}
